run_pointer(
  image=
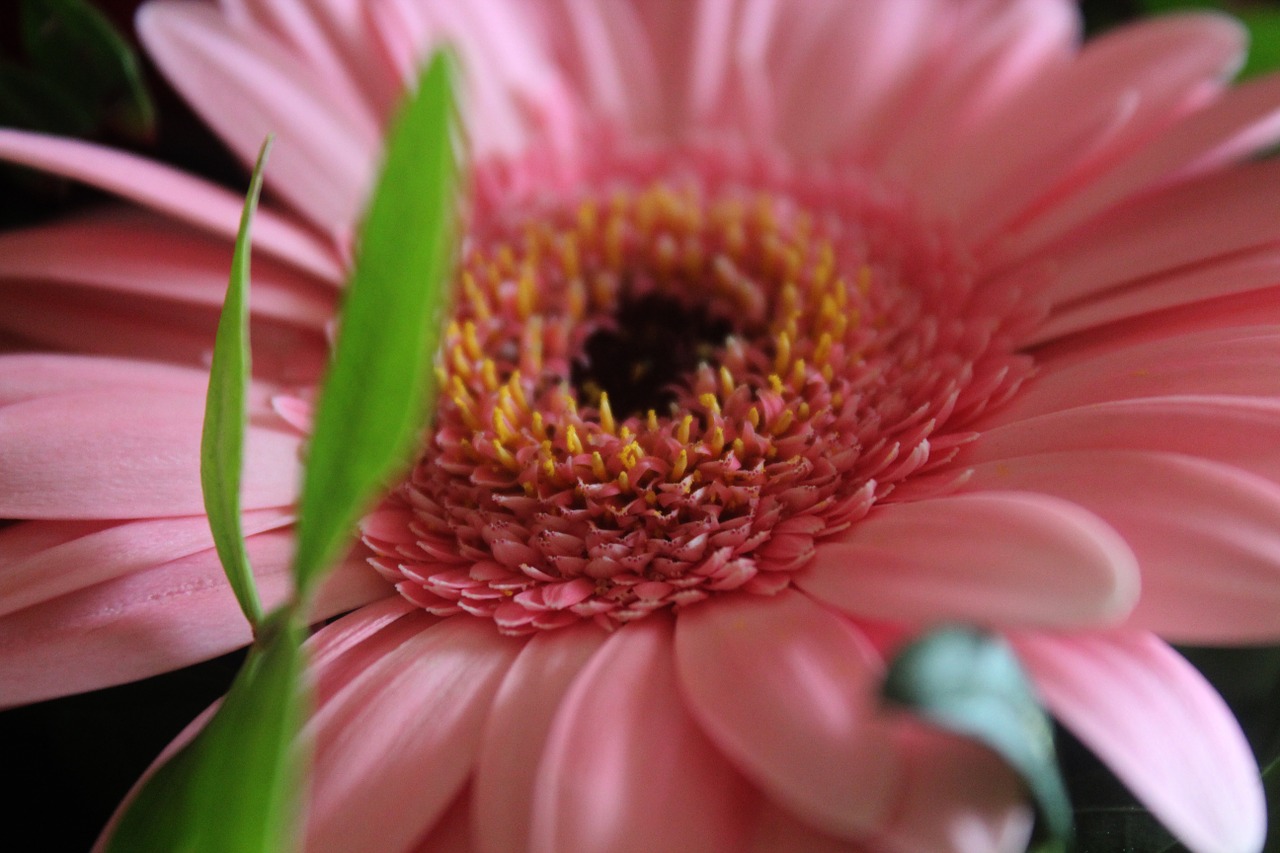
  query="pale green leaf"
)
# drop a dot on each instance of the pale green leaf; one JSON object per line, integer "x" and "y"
{"x": 971, "y": 683}
{"x": 376, "y": 394}
{"x": 225, "y": 416}
{"x": 234, "y": 787}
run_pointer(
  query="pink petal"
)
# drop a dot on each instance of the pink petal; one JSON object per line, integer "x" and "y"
{"x": 1198, "y": 290}
{"x": 1206, "y": 535}
{"x": 956, "y": 797}
{"x": 1236, "y": 430}
{"x": 776, "y": 831}
{"x": 516, "y": 733}
{"x": 32, "y": 376}
{"x": 1192, "y": 222}
{"x": 1160, "y": 727}
{"x": 863, "y": 57}
{"x": 395, "y": 745}
{"x": 89, "y": 320}
{"x": 331, "y": 36}
{"x": 1243, "y": 361}
{"x": 997, "y": 557}
{"x": 129, "y": 251}
{"x": 1162, "y": 66}
{"x": 162, "y": 188}
{"x": 87, "y": 558}
{"x": 1243, "y": 120}
{"x": 327, "y": 144}
{"x": 997, "y": 51}
{"x": 1232, "y": 124}
{"x": 101, "y": 455}
{"x": 452, "y": 833}
{"x": 28, "y": 376}
{"x": 342, "y": 650}
{"x": 787, "y": 689}
{"x": 626, "y": 770}
{"x": 151, "y": 621}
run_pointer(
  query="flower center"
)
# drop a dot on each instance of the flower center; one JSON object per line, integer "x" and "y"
{"x": 653, "y": 342}
{"x": 668, "y": 390}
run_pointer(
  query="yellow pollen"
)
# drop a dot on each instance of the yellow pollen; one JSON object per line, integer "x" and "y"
{"x": 502, "y": 426}
{"x": 475, "y": 297}
{"x": 823, "y": 351}
{"x": 711, "y": 403}
{"x": 469, "y": 341}
{"x": 588, "y": 216}
{"x": 841, "y": 291}
{"x": 576, "y": 298}
{"x": 504, "y": 456}
{"x": 798, "y": 371}
{"x": 460, "y": 364}
{"x": 526, "y": 295}
{"x": 682, "y": 432}
{"x": 739, "y": 449}
{"x": 630, "y": 455}
{"x": 597, "y": 466}
{"x": 489, "y": 374}
{"x": 717, "y": 441}
{"x": 682, "y": 462}
{"x": 775, "y": 383}
{"x": 606, "y": 414}
{"x": 506, "y": 259}
{"x": 571, "y": 440}
{"x": 727, "y": 385}
{"x": 570, "y": 258}
{"x": 539, "y": 427}
{"x": 753, "y": 417}
{"x": 531, "y": 347}
{"x": 783, "y": 422}
{"x": 516, "y": 391}
{"x": 624, "y": 482}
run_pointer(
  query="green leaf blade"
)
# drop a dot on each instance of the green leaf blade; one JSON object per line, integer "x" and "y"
{"x": 235, "y": 786}
{"x": 226, "y": 416}
{"x": 971, "y": 683}
{"x": 76, "y": 47}
{"x": 375, "y": 396}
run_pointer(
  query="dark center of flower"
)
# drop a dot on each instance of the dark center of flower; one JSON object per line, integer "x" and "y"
{"x": 652, "y": 344}
{"x": 660, "y": 393}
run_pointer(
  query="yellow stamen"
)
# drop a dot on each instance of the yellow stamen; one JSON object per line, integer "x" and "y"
{"x": 606, "y": 414}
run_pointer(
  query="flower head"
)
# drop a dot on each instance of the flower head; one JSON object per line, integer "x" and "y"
{"x": 781, "y": 333}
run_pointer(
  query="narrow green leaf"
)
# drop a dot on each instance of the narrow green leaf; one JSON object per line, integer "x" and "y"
{"x": 225, "y": 415}
{"x": 971, "y": 683}
{"x": 233, "y": 788}
{"x": 375, "y": 396}
{"x": 75, "y": 46}
{"x": 1264, "y": 41}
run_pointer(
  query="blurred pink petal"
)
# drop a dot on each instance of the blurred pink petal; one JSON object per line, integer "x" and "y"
{"x": 822, "y": 755}
{"x": 626, "y": 768}
{"x": 1129, "y": 697}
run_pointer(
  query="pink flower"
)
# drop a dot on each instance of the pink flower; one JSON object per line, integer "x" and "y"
{"x": 988, "y": 328}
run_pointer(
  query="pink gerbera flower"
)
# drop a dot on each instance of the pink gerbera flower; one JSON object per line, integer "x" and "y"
{"x": 783, "y": 332}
